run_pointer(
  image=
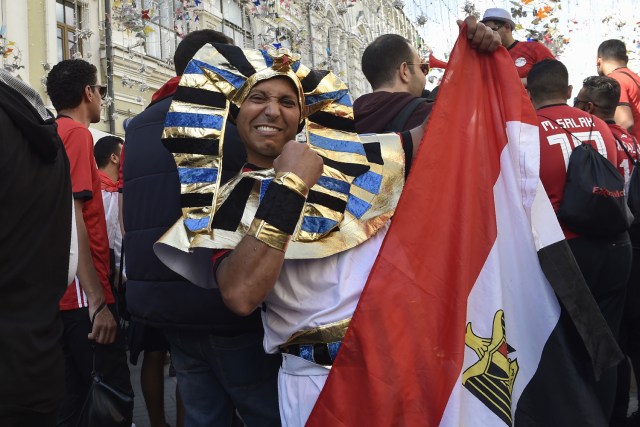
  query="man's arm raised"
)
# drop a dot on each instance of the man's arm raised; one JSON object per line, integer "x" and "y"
{"x": 249, "y": 273}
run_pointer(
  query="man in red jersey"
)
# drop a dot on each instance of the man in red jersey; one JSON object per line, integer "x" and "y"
{"x": 524, "y": 54}
{"x": 76, "y": 95}
{"x": 612, "y": 62}
{"x": 599, "y": 96}
{"x": 604, "y": 262}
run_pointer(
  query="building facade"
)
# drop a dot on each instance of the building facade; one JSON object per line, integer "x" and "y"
{"x": 331, "y": 34}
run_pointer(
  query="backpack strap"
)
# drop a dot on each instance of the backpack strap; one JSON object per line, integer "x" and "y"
{"x": 401, "y": 119}
{"x": 631, "y": 77}
{"x": 635, "y": 148}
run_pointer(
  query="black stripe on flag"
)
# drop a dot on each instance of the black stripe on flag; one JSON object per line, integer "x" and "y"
{"x": 566, "y": 280}
{"x": 579, "y": 350}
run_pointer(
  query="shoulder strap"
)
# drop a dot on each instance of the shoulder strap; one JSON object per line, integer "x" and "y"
{"x": 401, "y": 119}
{"x": 635, "y": 147}
{"x": 631, "y": 77}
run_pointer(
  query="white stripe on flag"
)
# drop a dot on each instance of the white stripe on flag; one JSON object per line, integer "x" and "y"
{"x": 511, "y": 279}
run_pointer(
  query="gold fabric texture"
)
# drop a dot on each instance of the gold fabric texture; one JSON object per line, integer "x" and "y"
{"x": 269, "y": 235}
{"x": 331, "y": 332}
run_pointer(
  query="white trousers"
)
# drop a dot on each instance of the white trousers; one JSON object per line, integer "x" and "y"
{"x": 299, "y": 385}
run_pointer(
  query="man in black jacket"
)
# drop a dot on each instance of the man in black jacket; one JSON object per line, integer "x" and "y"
{"x": 36, "y": 234}
{"x": 397, "y": 76}
{"x": 220, "y": 363}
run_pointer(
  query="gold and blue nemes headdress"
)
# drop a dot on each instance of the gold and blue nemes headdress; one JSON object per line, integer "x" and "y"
{"x": 362, "y": 178}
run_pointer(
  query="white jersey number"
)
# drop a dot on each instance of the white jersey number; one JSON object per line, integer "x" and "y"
{"x": 577, "y": 139}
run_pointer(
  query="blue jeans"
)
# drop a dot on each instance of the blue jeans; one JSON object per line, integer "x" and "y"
{"x": 217, "y": 375}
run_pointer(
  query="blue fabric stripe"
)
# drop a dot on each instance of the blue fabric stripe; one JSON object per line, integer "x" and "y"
{"x": 195, "y": 175}
{"x": 195, "y": 67}
{"x": 333, "y": 349}
{"x": 357, "y": 207}
{"x": 337, "y": 144}
{"x": 306, "y": 352}
{"x": 369, "y": 181}
{"x": 264, "y": 185}
{"x": 295, "y": 66}
{"x": 207, "y": 121}
{"x": 196, "y": 224}
{"x": 336, "y": 95}
{"x": 345, "y": 100}
{"x": 314, "y": 224}
{"x": 267, "y": 59}
{"x": 334, "y": 184}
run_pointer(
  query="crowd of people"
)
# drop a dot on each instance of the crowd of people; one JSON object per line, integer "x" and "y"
{"x": 212, "y": 234}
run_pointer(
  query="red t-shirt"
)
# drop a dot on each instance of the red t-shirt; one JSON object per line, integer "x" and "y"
{"x": 525, "y": 54}
{"x": 624, "y": 165}
{"x": 629, "y": 95}
{"x": 556, "y": 146}
{"x": 85, "y": 184}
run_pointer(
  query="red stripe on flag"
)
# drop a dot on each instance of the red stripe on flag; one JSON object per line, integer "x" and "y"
{"x": 404, "y": 350}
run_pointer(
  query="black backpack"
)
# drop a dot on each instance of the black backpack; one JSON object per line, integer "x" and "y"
{"x": 593, "y": 203}
{"x": 633, "y": 191}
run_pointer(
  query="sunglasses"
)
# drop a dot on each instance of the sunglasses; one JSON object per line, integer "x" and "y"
{"x": 102, "y": 90}
{"x": 577, "y": 101}
{"x": 424, "y": 67}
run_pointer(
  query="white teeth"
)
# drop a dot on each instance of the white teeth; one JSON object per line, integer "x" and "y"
{"x": 267, "y": 128}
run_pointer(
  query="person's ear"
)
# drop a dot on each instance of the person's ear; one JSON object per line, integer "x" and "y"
{"x": 88, "y": 93}
{"x": 113, "y": 158}
{"x": 569, "y": 91}
{"x": 404, "y": 72}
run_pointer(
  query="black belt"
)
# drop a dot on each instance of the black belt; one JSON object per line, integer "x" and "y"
{"x": 321, "y": 353}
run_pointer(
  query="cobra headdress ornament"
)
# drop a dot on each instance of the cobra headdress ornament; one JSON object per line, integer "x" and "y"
{"x": 355, "y": 196}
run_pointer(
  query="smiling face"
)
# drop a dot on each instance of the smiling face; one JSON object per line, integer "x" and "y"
{"x": 268, "y": 119}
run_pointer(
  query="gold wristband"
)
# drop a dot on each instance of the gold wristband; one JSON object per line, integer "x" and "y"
{"x": 269, "y": 235}
{"x": 292, "y": 182}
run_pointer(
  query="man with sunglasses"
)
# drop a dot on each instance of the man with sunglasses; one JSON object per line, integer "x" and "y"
{"x": 396, "y": 103}
{"x": 524, "y": 54}
{"x": 599, "y": 96}
{"x": 87, "y": 308}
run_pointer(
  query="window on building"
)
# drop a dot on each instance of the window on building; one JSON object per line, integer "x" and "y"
{"x": 67, "y": 17}
{"x": 161, "y": 41}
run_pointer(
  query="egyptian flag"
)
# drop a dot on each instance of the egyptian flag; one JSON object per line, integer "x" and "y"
{"x": 475, "y": 312}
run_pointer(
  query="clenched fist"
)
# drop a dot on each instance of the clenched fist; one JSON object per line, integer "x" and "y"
{"x": 300, "y": 159}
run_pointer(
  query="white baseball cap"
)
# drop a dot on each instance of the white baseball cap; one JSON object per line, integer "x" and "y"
{"x": 497, "y": 14}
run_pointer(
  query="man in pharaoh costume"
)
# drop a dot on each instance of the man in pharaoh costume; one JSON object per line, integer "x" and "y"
{"x": 299, "y": 228}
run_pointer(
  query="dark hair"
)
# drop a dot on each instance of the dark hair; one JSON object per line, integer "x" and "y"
{"x": 67, "y": 80}
{"x": 613, "y": 49}
{"x": 192, "y": 43}
{"x": 604, "y": 92}
{"x": 104, "y": 148}
{"x": 548, "y": 79}
{"x": 382, "y": 58}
